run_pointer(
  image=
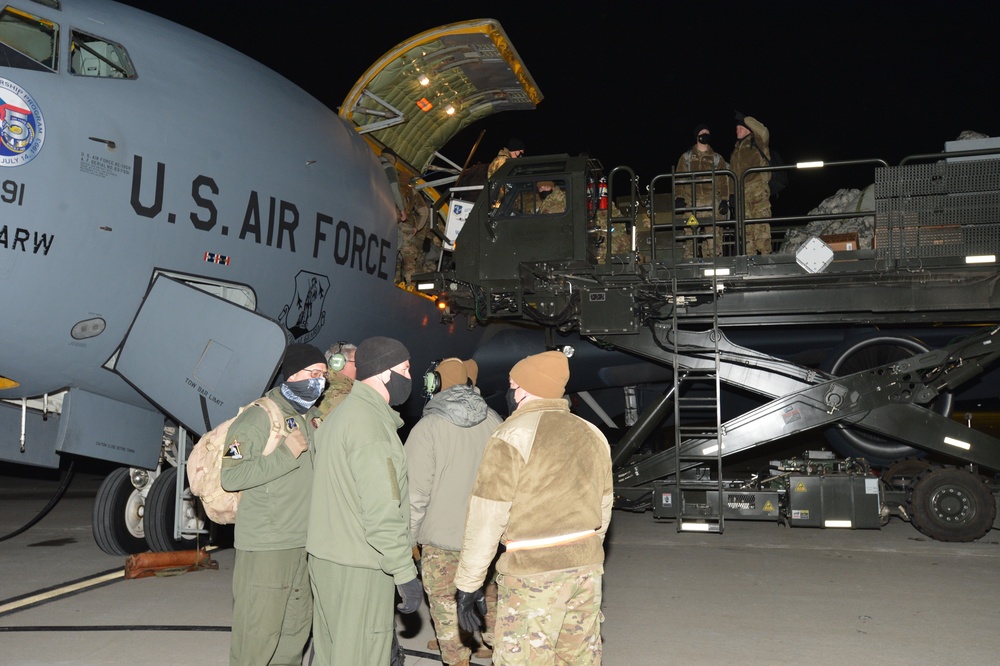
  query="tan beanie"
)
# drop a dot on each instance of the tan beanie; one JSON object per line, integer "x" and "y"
{"x": 544, "y": 375}
{"x": 452, "y": 372}
{"x": 471, "y": 369}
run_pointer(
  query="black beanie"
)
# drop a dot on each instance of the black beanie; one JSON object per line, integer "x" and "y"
{"x": 378, "y": 354}
{"x": 515, "y": 144}
{"x": 300, "y": 356}
{"x": 699, "y": 128}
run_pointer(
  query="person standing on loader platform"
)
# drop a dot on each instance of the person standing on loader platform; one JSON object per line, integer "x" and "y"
{"x": 544, "y": 489}
{"x": 359, "y": 526}
{"x": 443, "y": 452}
{"x": 751, "y": 150}
{"x": 698, "y": 196}
{"x": 272, "y": 602}
{"x": 513, "y": 150}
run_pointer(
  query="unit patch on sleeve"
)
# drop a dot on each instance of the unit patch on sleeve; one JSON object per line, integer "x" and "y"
{"x": 233, "y": 451}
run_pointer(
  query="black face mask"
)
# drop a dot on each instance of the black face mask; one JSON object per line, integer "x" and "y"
{"x": 398, "y": 387}
{"x": 511, "y": 403}
{"x": 704, "y": 138}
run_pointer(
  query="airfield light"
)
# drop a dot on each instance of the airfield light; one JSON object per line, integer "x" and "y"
{"x": 981, "y": 259}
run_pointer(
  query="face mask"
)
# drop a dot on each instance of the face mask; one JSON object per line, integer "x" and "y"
{"x": 704, "y": 138}
{"x": 398, "y": 387}
{"x": 303, "y": 394}
{"x": 512, "y": 404}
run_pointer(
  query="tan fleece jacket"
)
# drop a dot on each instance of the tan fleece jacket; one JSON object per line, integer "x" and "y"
{"x": 545, "y": 473}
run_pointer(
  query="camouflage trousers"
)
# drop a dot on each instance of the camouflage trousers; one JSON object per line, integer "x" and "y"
{"x": 758, "y": 236}
{"x": 550, "y": 618}
{"x": 438, "y": 567}
{"x": 709, "y": 247}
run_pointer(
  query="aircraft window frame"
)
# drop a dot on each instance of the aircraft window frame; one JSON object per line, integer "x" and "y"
{"x": 19, "y": 34}
{"x": 83, "y": 41}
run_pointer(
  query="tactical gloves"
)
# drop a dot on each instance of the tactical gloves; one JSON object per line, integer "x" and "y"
{"x": 468, "y": 604}
{"x": 723, "y": 208}
{"x": 680, "y": 203}
{"x": 411, "y": 592}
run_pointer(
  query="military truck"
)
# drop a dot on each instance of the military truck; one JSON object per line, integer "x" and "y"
{"x": 867, "y": 341}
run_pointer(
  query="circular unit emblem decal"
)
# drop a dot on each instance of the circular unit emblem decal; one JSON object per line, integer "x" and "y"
{"x": 22, "y": 129}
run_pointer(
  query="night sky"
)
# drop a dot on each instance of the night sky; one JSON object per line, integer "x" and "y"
{"x": 628, "y": 82}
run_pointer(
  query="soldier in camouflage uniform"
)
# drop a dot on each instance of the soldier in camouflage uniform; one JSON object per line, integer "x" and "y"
{"x": 621, "y": 240}
{"x": 338, "y": 382}
{"x": 415, "y": 236}
{"x": 443, "y": 452}
{"x": 699, "y": 193}
{"x": 549, "y": 576}
{"x": 752, "y": 139}
{"x": 513, "y": 150}
{"x": 552, "y": 198}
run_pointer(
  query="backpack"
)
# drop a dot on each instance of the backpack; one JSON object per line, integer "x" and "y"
{"x": 204, "y": 465}
{"x": 779, "y": 179}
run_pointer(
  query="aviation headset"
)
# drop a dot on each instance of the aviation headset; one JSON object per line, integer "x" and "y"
{"x": 432, "y": 378}
{"x": 337, "y": 360}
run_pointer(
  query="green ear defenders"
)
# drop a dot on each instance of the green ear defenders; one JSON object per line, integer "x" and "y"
{"x": 337, "y": 360}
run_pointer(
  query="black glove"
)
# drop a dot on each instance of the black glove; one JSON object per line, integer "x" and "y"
{"x": 723, "y": 208}
{"x": 680, "y": 203}
{"x": 468, "y": 603}
{"x": 412, "y": 593}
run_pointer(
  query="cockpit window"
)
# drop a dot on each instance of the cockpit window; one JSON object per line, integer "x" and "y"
{"x": 535, "y": 197}
{"x": 94, "y": 56}
{"x": 27, "y": 41}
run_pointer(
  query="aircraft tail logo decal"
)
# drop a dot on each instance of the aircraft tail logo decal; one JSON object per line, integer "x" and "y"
{"x": 22, "y": 129}
{"x": 304, "y": 316}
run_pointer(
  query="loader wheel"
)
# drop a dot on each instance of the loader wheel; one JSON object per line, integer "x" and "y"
{"x": 951, "y": 504}
{"x": 863, "y": 354}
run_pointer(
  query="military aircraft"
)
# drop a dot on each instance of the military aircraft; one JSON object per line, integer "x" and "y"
{"x": 173, "y": 213}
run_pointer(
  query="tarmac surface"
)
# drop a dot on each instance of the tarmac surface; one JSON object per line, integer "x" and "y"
{"x": 759, "y": 593}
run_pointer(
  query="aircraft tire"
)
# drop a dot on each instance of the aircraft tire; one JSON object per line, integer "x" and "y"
{"x": 951, "y": 504}
{"x": 863, "y": 353}
{"x": 160, "y": 503}
{"x": 117, "y": 520}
